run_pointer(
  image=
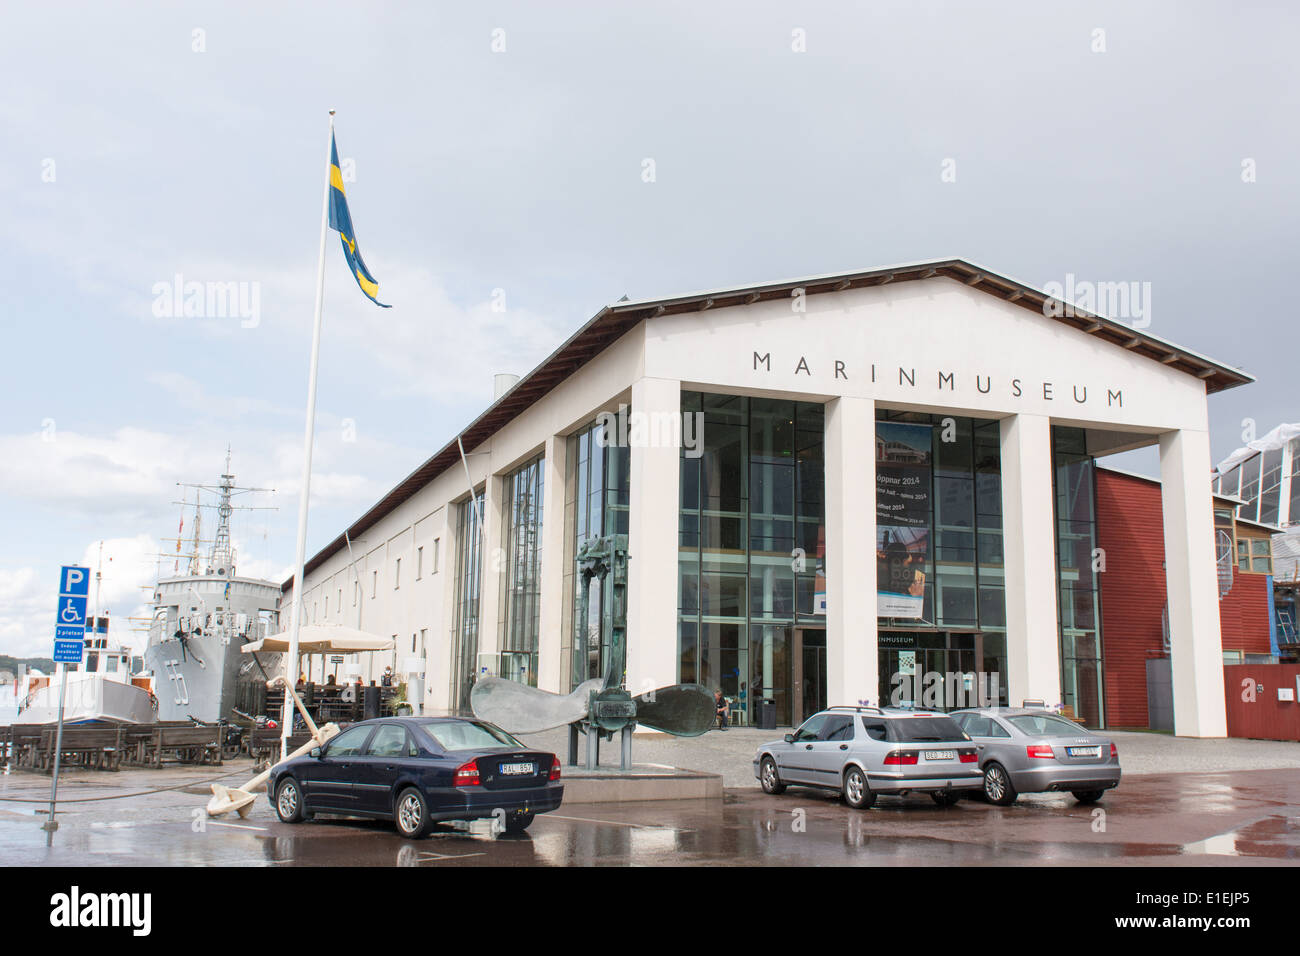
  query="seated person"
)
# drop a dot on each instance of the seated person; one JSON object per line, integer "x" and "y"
{"x": 723, "y": 707}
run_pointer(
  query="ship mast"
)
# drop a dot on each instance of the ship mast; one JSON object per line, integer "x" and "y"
{"x": 221, "y": 558}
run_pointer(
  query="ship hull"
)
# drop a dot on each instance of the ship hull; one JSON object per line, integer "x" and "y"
{"x": 201, "y": 677}
{"x": 90, "y": 698}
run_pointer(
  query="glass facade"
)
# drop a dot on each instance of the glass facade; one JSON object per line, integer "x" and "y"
{"x": 1268, "y": 483}
{"x": 751, "y": 543}
{"x": 469, "y": 576}
{"x": 1079, "y": 605}
{"x": 961, "y": 627}
{"x": 595, "y": 505}
{"x": 522, "y": 580}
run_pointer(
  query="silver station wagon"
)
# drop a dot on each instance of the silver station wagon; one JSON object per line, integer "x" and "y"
{"x": 862, "y": 752}
{"x": 1031, "y": 751}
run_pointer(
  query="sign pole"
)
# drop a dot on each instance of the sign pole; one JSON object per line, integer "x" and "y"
{"x": 69, "y": 644}
{"x": 299, "y": 599}
{"x": 51, "y": 824}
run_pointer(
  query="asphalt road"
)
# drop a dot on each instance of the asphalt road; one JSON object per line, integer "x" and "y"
{"x": 1224, "y": 818}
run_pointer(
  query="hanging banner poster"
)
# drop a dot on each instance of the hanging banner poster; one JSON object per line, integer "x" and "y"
{"x": 902, "y": 518}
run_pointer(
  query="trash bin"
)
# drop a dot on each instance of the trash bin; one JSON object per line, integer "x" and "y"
{"x": 767, "y": 715}
{"x": 370, "y": 702}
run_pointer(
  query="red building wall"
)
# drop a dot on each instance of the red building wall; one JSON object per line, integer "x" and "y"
{"x": 1130, "y": 531}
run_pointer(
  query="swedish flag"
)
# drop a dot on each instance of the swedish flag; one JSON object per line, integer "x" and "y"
{"x": 341, "y": 221}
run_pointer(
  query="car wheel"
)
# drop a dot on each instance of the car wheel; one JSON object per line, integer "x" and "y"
{"x": 945, "y": 799}
{"x": 411, "y": 814}
{"x": 770, "y": 779}
{"x": 288, "y": 801}
{"x": 998, "y": 787}
{"x": 518, "y": 821}
{"x": 1087, "y": 796}
{"x": 856, "y": 792}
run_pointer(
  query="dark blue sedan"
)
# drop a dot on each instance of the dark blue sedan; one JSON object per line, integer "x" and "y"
{"x": 417, "y": 771}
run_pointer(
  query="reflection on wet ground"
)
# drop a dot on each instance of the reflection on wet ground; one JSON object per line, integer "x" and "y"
{"x": 1224, "y": 818}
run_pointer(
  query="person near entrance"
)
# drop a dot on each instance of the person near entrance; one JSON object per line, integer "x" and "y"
{"x": 723, "y": 709}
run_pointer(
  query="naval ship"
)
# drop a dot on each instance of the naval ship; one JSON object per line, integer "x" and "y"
{"x": 203, "y": 617}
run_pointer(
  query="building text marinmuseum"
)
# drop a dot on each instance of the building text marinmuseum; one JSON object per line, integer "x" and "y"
{"x": 828, "y": 487}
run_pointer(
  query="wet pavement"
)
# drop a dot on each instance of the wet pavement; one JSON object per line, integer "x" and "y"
{"x": 1243, "y": 817}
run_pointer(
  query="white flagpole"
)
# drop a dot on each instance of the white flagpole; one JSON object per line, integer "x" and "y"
{"x": 291, "y": 666}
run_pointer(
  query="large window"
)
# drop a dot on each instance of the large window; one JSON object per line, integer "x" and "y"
{"x": 1270, "y": 486}
{"x": 1255, "y": 555}
{"x": 522, "y": 581}
{"x": 963, "y": 568}
{"x": 595, "y": 505}
{"x": 751, "y": 546}
{"x": 1079, "y": 606}
{"x": 469, "y": 575}
{"x": 1292, "y": 516}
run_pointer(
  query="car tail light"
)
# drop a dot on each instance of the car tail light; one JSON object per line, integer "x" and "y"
{"x": 1040, "y": 750}
{"x": 555, "y": 768}
{"x": 1114, "y": 754}
{"x": 967, "y": 756}
{"x": 901, "y": 758}
{"x": 467, "y": 775}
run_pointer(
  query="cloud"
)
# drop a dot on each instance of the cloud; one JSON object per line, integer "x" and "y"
{"x": 26, "y": 613}
{"x": 435, "y": 347}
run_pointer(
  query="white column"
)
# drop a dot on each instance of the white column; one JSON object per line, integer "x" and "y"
{"x": 437, "y": 652}
{"x": 551, "y": 614}
{"x": 1029, "y": 548}
{"x": 1191, "y": 585}
{"x": 852, "y": 663}
{"x": 653, "y": 485}
{"x": 494, "y": 576}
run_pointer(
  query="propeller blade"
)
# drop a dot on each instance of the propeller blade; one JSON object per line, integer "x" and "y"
{"x": 686, "y": 710}
{"x": 519, "y": 709}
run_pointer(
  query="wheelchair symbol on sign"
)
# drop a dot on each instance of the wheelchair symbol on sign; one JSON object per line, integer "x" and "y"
{"x": 70, "y": 613}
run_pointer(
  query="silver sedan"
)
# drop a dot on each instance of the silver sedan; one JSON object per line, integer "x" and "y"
{"x": 1034, "y": 751}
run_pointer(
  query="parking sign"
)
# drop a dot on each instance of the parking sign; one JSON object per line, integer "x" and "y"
{"x": 70, "y": 615}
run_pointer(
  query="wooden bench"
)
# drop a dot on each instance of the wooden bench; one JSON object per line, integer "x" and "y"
{"x": 185, "y": 744}
{"x": 264, "y": 743}
{"x": 25, "y": 745}
{"x": 93, "y": 748}
{"x": 138, "y": 741}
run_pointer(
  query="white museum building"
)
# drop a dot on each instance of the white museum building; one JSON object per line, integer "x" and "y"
{"x": 826, "y": 490}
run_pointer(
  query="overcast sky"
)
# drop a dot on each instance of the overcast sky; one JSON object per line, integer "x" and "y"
{"x": 1114, "y": 142}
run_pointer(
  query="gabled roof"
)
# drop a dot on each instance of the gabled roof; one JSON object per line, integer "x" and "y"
{"x": 613, "y": 321}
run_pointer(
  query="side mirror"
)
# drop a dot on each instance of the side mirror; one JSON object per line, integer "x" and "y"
{"x": 789, "y": 738}
{"x": 315, "y": 752}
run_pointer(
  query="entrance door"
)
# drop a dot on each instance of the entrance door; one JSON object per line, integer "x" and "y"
{"x": 809, "y": 683}
{"x": 935, "y": 670}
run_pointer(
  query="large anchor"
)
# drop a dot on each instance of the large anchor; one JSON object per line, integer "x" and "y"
{"x": 239, "y": 799}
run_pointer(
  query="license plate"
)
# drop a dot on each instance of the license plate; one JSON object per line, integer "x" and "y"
{"x": 1083, "y": 751}
{"x": 941, "y": 755}
{"x": 517, "y": 769}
